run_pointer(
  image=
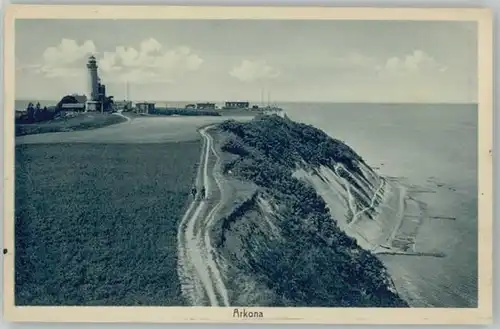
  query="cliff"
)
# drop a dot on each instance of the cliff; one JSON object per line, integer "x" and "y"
{"x": 301, "y": 213}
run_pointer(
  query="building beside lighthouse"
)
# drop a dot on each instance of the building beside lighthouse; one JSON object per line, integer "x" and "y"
{"x": 96, "y": 93}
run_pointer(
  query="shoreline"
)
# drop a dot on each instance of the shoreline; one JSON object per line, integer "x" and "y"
{"x": 392, "y": 231}
{"x": 425, "y": 230}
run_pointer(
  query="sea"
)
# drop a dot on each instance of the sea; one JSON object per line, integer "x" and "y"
{"x": 433, "y": 145}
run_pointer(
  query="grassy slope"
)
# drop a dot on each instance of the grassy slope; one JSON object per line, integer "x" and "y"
{"x": 84, "y": 121}
{"x": 97, "y": 224}
{"x": 315, "y": 264}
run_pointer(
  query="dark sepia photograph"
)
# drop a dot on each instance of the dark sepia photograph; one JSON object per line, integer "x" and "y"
{"x": 246, "y": 163}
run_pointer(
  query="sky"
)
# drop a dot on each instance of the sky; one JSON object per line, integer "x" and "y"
{"x": 217, "y": 60}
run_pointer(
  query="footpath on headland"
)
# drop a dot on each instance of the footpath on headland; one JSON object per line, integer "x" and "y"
{"x": 198, "y": 263}
{"x": 120, "y": 114}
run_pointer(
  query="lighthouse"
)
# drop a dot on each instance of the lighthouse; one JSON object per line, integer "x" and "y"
{"x": 93, "y": 94}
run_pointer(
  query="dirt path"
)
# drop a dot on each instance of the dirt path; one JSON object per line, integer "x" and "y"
{"x": 123, "y": 116}
{"x": 197, "y": 266}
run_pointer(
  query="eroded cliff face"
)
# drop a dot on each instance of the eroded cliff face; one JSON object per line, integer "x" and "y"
{"x": 302, "y": 233}
{"x": 365, "y": 206}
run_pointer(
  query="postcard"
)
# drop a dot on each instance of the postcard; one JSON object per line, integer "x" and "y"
{"x": 248, "y": 164}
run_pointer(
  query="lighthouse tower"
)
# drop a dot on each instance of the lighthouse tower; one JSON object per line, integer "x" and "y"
{"x": 93, "y": 101}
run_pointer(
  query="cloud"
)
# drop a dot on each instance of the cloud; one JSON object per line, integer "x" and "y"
{"x": 150, "y": 63}
{"x": 67, "y": 52}
{"x": 26, "y": 67}
{"x": 62, "y": 60}
{"x": 249, "y": 71}
{"x": 417, "y": 62}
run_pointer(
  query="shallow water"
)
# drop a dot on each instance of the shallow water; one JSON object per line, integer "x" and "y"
{"x": 428, "y": 145}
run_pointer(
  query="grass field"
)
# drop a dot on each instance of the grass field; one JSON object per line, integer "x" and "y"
{"x": 84, "y": 121}
{"x": 96, "y": 224}
{"x": 141, "y": 129}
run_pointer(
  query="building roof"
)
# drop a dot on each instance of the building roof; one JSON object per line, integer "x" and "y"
{"x": 79, "y": 98}
{"x": 122, "y": 102}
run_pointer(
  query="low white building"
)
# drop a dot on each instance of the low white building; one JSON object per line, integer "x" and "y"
{"x": 144, "y": 107}
{"x": 73, "y": 107}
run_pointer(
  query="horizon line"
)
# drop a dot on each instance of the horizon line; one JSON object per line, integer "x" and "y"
{"x": 273, "y": 102}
